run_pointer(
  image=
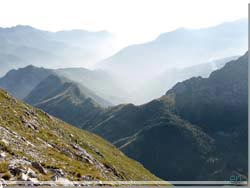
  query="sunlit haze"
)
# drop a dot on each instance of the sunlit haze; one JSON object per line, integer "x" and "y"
{"x": 132, "y": 21}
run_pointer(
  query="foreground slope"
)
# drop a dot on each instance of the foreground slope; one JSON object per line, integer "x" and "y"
{"x": 34, "y": 145}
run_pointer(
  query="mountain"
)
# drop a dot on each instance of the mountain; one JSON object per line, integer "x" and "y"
{"x": 158, "y": 138}
{"x": 200, "y": 124}
{"x": 201, "y": 119}
{"x": 136, "y": 64}
{"x": 66, "y": 100}
{"x": 76, "y": 37}
{"x": 219, "y": 105}
{"x": 20, "y": 82}
{"x": 6, "y": 65}
{"x": 153, "y": 88}
{"x": 225, "y": 92}
{"x": 53, "y": 49}
{"x": 98, "y": 81}
{"x": 36, "y": 146}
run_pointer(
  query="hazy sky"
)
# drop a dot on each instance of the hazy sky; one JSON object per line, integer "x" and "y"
{"x": 130, "y": 20}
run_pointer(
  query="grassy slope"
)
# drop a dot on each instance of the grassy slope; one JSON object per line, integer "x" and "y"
{"x": 50, "y": 143}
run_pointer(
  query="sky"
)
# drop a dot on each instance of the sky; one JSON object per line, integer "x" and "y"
{"x": 131, "y": 21}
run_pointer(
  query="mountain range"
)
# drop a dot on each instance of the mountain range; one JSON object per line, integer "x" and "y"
{"x": 137, "y": 64}
{"x": 154, "y": 88}
{"x": 53, "y": 90}
{"x": 199, "y": 124}
{"x": 178, "y": 105}
{"x": 23, "y": 45}
{"x": 194, "y": 45}
{"x": 134, "y": 74}
{"x": 20, "y": 82}
{"x": 200, "y": 119}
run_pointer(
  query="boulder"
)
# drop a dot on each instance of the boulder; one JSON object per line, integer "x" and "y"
{"x": 33, "y": 180}
{"x": 15, "y": 170}
{"x": 64, "y": 181}
{"x": 31, "y": 173}
{"x": 2, "y": 155}
{"x": 24, "y": 177}
{"x": 39, "y": 167}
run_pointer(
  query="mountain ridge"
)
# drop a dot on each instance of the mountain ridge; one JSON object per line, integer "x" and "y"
{"x": 53, "y": 49}
{"x": 210, "y": 110}
{"x": 137, "y": 64}
{"x": 65, "y": 99}
{"x": 20, "y": 82}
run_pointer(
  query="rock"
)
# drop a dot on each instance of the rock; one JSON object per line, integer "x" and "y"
{"x": 27, "y": 113}
{"x": 63, "y": 150}
{"x": 54, "y": 178}
{"x": 67, "y": 152}
{"x": 24, "y": 177}
{"x": 2, "y": 155}
{"x": 99, "y": 153}
{"x": 31, "y": 173}
{"x": 31, "y": 126}
{"x": 47, "y": 115}
{"x": 64, "y": 181}
{"x": 31, "y": 123}
{"x": 87, "y": 178}
{"x": 87, "y": 157}
{"x": 15, "y": 170}
{"x": 113, "y": 170}
{"x": 5, "y": 141}
{"x": 58, "y": 173}
{"x": 17, "y": 166}
{"x": 23, "y": 119}
{"x": 84, "y": 154}
{"x": 33, "y": 180}
{"x": 2, "y": 182}
{"x": 39, "y": 167}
